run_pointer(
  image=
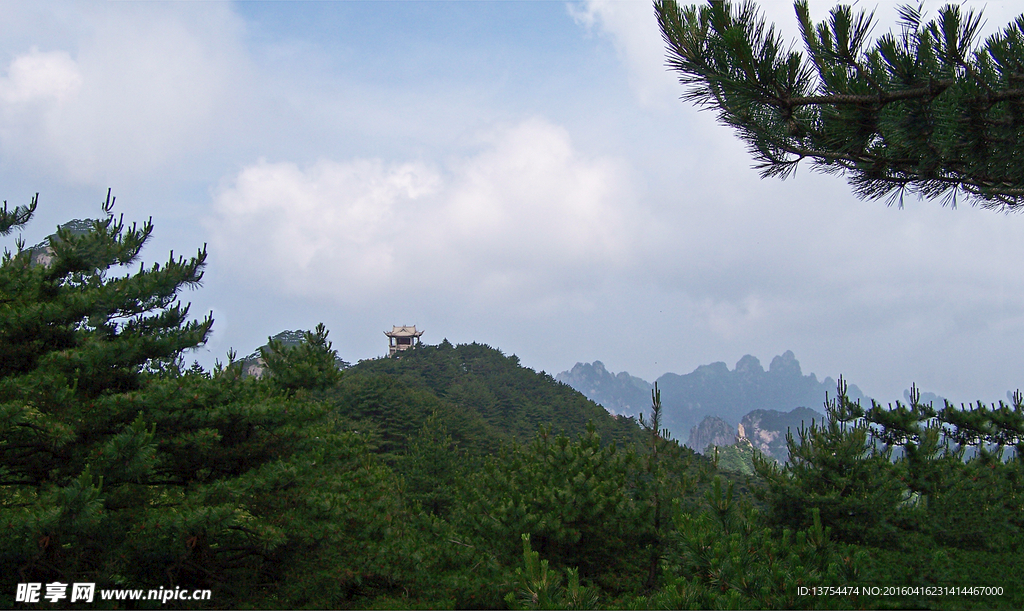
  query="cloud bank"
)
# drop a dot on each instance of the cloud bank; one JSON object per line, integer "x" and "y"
{"x": 141, "y": 90}
{"x": 525, "y": 217}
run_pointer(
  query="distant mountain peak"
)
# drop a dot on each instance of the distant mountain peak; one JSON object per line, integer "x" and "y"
{"x": 709, "y": 390}
{"x": 749, "y": 364}
{"x": 785, "y": 365}
{"x": 766, "y": 430}
{"x": 621, "y": 394}
{"x": 712, "y": 431}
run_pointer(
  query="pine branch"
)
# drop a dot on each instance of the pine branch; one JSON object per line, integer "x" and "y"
{"x": 911, "y": 112}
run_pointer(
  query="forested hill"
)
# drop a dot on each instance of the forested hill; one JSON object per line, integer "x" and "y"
{"x": 482, "y": 394}
{"x": 396, "y": 483}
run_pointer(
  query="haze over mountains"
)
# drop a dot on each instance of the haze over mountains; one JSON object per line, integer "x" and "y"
{"x": 712, "y": 403}
{"x": 710, "y": 406}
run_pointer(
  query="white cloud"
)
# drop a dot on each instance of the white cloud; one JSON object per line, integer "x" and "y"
{"x": 37, "y": 88}
{"x": 40, "y": 77}
{"x": 135, "y": 91}
{"x": 333, "y": 226}
{"x": 525, "y": 218}
{"x": 368, "y": 206}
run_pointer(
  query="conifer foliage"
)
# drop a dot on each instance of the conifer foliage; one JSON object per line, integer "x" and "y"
{"x": 575, "y": 498}
{"x": 927, "y": 110}
{"x": 383, "y": 486}
{"x": 311, "y": 364}
{"x": 118, "y": 466}
{"x": 77, "y": 341}
{"x": 933, "y": 496}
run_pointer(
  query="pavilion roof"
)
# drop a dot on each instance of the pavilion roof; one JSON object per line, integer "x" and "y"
{"x": 404, "y": 331}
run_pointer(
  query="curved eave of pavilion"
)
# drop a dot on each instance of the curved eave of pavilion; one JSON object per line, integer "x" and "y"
{"x": 403, "y": 331}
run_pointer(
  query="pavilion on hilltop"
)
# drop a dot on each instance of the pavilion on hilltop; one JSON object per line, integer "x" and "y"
{"x": 402, "y": 338}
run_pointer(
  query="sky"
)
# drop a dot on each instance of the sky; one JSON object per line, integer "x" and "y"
{"x": 516, "y": 173}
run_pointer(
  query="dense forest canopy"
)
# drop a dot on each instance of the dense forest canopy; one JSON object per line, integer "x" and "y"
{"x": 450, "y": 476}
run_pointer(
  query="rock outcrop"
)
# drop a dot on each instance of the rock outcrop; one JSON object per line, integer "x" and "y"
{"x": 253, "y": 364}
{"x": 712, "y": 431}
{"x": 766, "y": 429}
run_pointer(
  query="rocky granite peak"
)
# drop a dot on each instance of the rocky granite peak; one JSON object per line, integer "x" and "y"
{"x": 712, "y": 431}
{"x": 620, "y": 394}
{"x": 765, "y": 429}
{"x": 709, "y": 390}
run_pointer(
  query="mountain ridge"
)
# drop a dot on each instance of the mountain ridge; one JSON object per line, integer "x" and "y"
{"x": 709, "y": 390}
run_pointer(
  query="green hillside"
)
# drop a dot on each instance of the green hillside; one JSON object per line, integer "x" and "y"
{"x": 482, "y": 385}
{"x": 449, "y": 477}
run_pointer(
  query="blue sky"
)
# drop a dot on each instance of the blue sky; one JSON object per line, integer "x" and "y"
{"x": 521, "y": 174}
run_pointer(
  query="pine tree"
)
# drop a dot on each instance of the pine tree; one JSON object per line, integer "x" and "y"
{"x": 725, "y": 558}
{"x": 540, "y": 588}
{"x": 78, "y": 339}
{"x": 925, "y": 111}
{"x": 120, "y": 467}
{"x": 655, "y": 488}
{"x": 833, "y": 469}
{"x": 117, "y": 465}
{"x": 929, "y": 494}
{"x": 312, "y": 364}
